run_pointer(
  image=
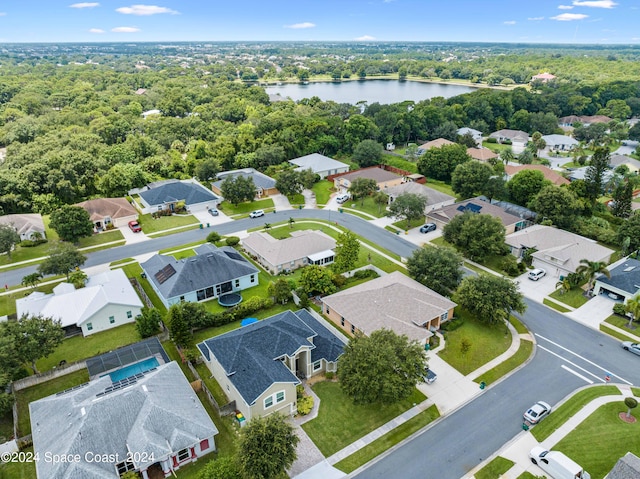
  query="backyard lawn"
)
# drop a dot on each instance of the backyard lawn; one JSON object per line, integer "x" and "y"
{"x": 152, "y": 225}
{"x": 574, "y": 298}
{"x": 487, "y": 342}
{"x": 247, "y": 207}
{"x": 323, "y": 190}
{"x": 340, "y": 422}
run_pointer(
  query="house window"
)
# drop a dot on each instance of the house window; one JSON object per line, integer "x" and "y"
{"x": 112, "y": 320}
{"x": 444, "y": 316}
{"x": 279, "y": 397}
{"x": 125, "y": 467}
{"x": 89, "y": 326}
{"x": 293, "y": 263}
{"x": 182, "y": 299}
{"x": 204, "y": 444}
{"x": 183, "y": 454}
{"x": 268, "y": 402}
{"x": 200, "y": 295}
{"x": 342, "y": 321}
{"x": 317, "y": 365}
{"x": 253, "y": 278}
{"x": 327, "y": 309}
{"x": 237, "y": 283}
{"x": 304, "y": 260}
{"x": 129, "y": 314}
{"x": 353, "y": 329}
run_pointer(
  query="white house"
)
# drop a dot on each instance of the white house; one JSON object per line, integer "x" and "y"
{"x": 560, "y": 142}
{"x": 29, "y": 226}
{"x": 320, "y": 165}
{"x": 475, "y": 134}
{"x": 108, "y": 300}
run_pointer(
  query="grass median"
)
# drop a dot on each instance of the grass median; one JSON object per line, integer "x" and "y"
{"x": 495, "y": 469}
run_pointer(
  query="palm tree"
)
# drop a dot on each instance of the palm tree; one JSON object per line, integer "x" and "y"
{"x": 589, "y": 270}
{"x": 565, "y": 284}
{"x": 267, "y": 226}
{"x": 291, "y": 221}
{"x": 633, "y": 307}
{"x": 31, "y": 280}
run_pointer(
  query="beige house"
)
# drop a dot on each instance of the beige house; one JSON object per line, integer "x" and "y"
{"x": 435, "y": 199}
{"x": 482, "y": 154}
{"x": 393, "y": 301}
{"x": 553, "y": 176}
{"x": 383, "y": 178}
{"x": 437, "y": 143}
{"x": 302, "y": 248}
{"x": 259, "y": 366}
{"x": 29, "y": 226}
{"x": 106, "y": 211}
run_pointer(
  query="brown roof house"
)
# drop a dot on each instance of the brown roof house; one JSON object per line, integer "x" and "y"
{"x": 543, "y": 77}
{"x": 28, "y": 225}
{"x": 553, "y": 176}
{"x": 584, "y": 120}
{"x": 481, "y": 154}
{"x": 302, "y": 248}
{"x": 106, "y": 211}
{"x": 382, "y": 177}
{"x": 442, "y": 216}
{"x": 437, "y": 143}
{"x": 394, "y": 302}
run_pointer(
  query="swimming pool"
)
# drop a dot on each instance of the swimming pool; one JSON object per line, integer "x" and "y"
{"x": 133, "y": 369}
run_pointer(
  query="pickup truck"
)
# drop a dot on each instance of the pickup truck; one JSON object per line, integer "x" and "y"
{"x": 429, "y": 376}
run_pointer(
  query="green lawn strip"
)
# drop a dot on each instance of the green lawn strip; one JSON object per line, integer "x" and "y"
{"x": 297, "y": 199}
{"x": 247, "y": 207}
{"x": 134, "y": 270}
{"x": 181, "y": 247}
{"x": 323, "y": 190}
{"x": 122, "y": 261}
{"x": 556, "y": 306}
{"x": 186, "y": 253}
{"x": 495, "y": 469}
{"x": 488, "y": 341}
{"x": 516, "y": 323}
{"x": 25, "y": 396}
{"x": 390, "y": 439}
{"x": 355, "y": 212}
{"x": 368, "y": 206}
{"x": 397, "y": 162}
{"x": 340, "y": 422}
{"x": 598, "y": 442}
{"x": 33, "y": 253}
{"x": 212, "y": 384}
{"x": 573, "y": 298}
{"x": 79, "y": 347}
{"x": 636, "y": 392}
{"x": 527, "y": 475}
{"x": 616, "y": 334}
{"x": 171, "y": 232}
{"x": 101, "y": 238}
{"x": 441, "y": 186}
{"x": 559, "y": 416}
{"x": 623, "y": 323}
{"x": 19, "y": 470}
{"x": 496, "y": 147}
{"x": 414, "y": 224}
{"x": 505, "y": 367}
{"x": 152, "y": 225}
{"x": 473, "y": 267}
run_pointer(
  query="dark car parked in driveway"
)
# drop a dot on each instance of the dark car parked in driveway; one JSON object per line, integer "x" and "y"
{"x": 428, "y": 227}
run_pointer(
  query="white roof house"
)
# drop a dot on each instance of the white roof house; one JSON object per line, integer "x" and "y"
{"x": 560, "y": 142}
{"x": 108, "y": 300}
{"x": 27, "y": 225}
{"x": 320, "y": 164}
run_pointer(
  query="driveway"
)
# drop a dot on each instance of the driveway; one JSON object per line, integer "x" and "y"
{"x": 281, "y": 202}
{"x": 537, "y": 290}
{"x": 626, "y": 149}
{"x": 204, "y": 217}
{"x": 130, "y": 237}
{"x": 594, "y": 311}
{"x": 309, "y": 199}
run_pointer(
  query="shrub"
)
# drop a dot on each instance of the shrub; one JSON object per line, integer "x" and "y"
{"x": 305, "y": 405}
{"x": 299, "y": 391}
{"x": 329, "y": 375}
{"x": 619, "y": 309}
{"x": 365, "y": 273}
{"x": 510, "y": 265}
{"x": 507, "y": 142}
{"x": 232, "y": 240}
{"x": 339, "y": 280}
{"x": 110, "y": 227}
{"x": 304, "y": 298}
{"x": 214, "y": 237}
{"x": 492, "y": 140}
{"x": 32, "y": 243}
{"x": 452, "y": 324}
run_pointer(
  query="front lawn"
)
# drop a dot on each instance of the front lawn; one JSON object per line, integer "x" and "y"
{"x": 98, "y": 239}
{"x": 297, "y": 199}
{"x": 152, "y": 225}
{"x": 402, "y": 224}
{"x": 554, "y": 305}
{"x": 505, "y": 367}
{"x": 623, "y": 323}
{"x": 441, "y": 186}
{"x": 488, "y": 341}
{"x": 574, "y": 298}
{"x": 603, "y": 438}
{"x": 368, "y": 207}
{"x": 340, "y": 422}
{"x": 247, "y": 207}
{"x": 494, "y": 469}
{"x": 323, "y": 189}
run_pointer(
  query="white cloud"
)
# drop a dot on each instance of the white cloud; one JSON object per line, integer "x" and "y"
{"x": 535, "y": 19}
{"x": 365, "y": 38}
{"x": 565, "y": 7}
{"x": 125, "y": 29}
{"x": 297, "y": 26}
{"x": 595, "y": 3}
{"x": 85, "y": 5}
{"x": 510, "y": 22}
{"x": 145, "y": 10}
{"x": 96, "y": 30}
{"x": 568, "y": 17}
{"x": 3, "y": 14}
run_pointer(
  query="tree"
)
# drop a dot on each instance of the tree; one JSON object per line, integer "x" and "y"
{"x": 439, "y": 163}
{"x": 316, "y": 279}
{"x": 590, "y": 269}
{"x": 289, "y": 182}
{"x": 280, "y": 291}
{"x": 476, "y": 235}
{"x": 6, "y": 399}
{"x": 633, "y": 307}
{"x": 630, "y": 229}
{"x": 266, "y": 447}
{"x": 207, "y": 169}
{"x": 495, "y": 187}
{"x": 380, "y": 368}
{"x": 121, "y": 178}
{"x": 594, "y": 177}
{"x": 468, "y": 179}
{"x": 32, "y": 337}
{"x": 560, "y": 205}
{"x": 347, "y": 252}
{"x": 367, "y": 153}
{"x": 380, "y": 198}
{"x": 8, "y": 239}
{"x": 238, "y": 189}
{"x": 437, "y": 268}
{"x": 179, "y": 326}
{"x": 31, "y": 280}
{"x": 148, "y": 323}
{"x": 63, "y": 258}
{"x": 631, "y": 403}
{"x": 565, "y": 285}
{"x": 362, "y": 187}
{"x": 77, "y": 278}
{"x": 213, "y": 237}
{"x": 291, "y": 222}
{"x": 622, "y": 199}
{"x": 408, "y": 206}
{"x": 525, "y": 185}
{"x": 71, "y": 223}
{"x": 490, "y": 298}
{"x": 224, "y": 467}
{"x": 526, "y": 157}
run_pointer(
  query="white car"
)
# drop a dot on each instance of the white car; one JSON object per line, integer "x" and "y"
{"x": 536, "y": 274}
{"x": 536, "y": 413}
{"x": 629, "y": 346}
{"x": 256, "y": 214}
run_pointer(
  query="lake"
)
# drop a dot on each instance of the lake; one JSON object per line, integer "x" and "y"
{"x": 371, "y": 91}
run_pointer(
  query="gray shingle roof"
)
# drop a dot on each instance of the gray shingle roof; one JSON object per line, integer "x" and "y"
{"x": 159, "y": 414}
{"x": 259, "y": 179}
{"x": 210, "y": 266}
{"x": 172, "y": 191}
{"x": 627, "y": 467}
{"x": 629, "y": 280}
{"x": 317, "y": 162}
{"x": 434, "y": 197}
{"x": 251, "y": 355}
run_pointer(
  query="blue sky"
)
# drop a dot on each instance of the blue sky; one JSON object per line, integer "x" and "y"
{"x": 537, "y": 21}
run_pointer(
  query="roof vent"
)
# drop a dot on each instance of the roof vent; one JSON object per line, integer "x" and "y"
{"x": 629, "y": 268}
{"x": 83, "y": 411}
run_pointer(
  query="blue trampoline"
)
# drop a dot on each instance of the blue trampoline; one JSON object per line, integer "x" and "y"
{"x": 230, "y": 299}
{"x": 248, "y": 321}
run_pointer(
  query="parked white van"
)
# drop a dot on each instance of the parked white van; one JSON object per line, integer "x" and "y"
{"x": 341, "y": 198}
{"x": 557, "y": 465}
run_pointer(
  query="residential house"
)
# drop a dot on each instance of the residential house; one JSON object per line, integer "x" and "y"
{"x": 265, "y": 185}
{"x": 543, "y": 77}
{"x": 109, "y": 211}
{"x": 557, "y": 251}
{"x": 209, "y": 274}
{"x": 482, "y": 154}
{"x": 140, "y": 91}
{"x": 624, "y": 282}
{"x": 437, "y": 143}
{"x": 435, "y": 198}
{"x": 627, "y": 467}
{"x": 151, "y": 424}
{"x": 475, "y": 134}
{"x": 300, "y": 249}
{"x": 107, "y": 301}
{"x": 393, "y": 301}
{"x": 321, "y": 165}
{"x": 581, "y": 174}
{"x": 518, "y": 138}
{"x": 167, "y": 194}
{"x": 259, "y": 366}
{"x": 553, "y": 176}
{"x": 560, "y": 142}
{"x": 148, "y": 113}
{"x": 584, "y": 120}
{"x": 442, "y": 216}
{"x": 631, "y": 163}
{"x": 383, "y": 178}
{"x": 29, "y": 226}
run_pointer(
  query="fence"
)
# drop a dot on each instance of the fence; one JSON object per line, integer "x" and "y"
{"x": 225, "y": 410}
{"x": 47, "y": 375}
{"x": 138, "y": 287}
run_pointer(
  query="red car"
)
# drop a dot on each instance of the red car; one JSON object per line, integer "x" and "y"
{"x": 135, "y": 226}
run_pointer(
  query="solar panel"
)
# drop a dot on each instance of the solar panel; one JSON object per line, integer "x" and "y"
{"x": 470, "y": 207}
{"x": 165, "y": 273}
{"x": 234, "y": 255}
